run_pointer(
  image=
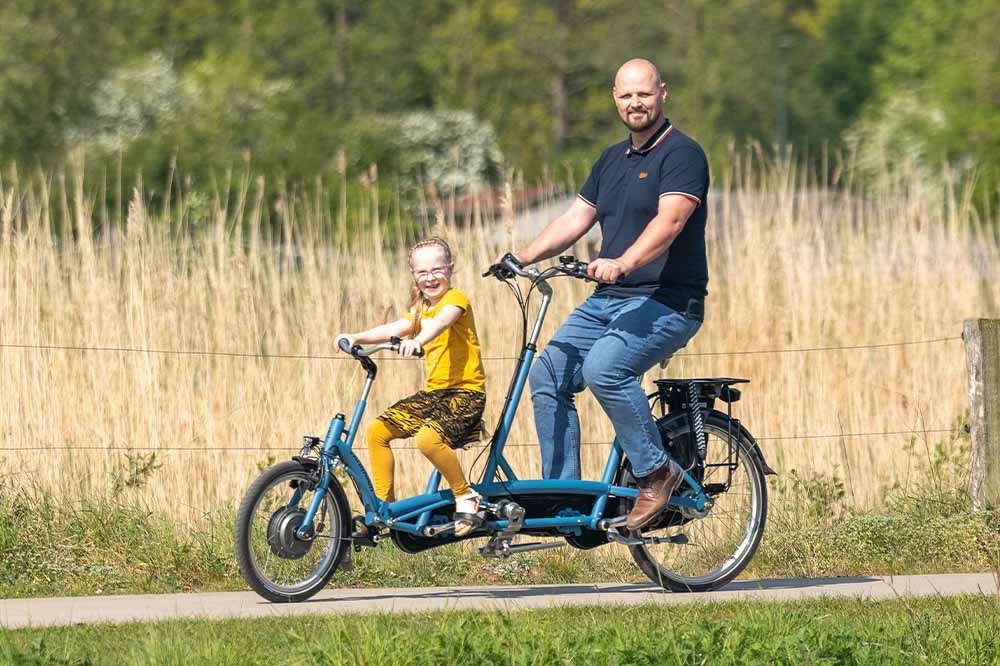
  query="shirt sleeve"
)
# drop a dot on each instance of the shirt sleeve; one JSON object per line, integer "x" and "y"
{"x": 685, "y": 172}
{"x": 456, "y": 298}
{"x": 588, "y": 193}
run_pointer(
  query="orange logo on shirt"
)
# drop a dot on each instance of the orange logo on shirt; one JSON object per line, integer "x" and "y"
{"x": 643, "y": 174}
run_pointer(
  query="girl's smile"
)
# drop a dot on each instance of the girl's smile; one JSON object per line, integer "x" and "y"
{"x": 431, "y": 272}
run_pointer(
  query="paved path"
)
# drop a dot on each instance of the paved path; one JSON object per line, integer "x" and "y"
{"x": 148, "y": 607}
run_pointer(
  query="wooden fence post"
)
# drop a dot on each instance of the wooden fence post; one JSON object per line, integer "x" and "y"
{"x": 982, "y": 355}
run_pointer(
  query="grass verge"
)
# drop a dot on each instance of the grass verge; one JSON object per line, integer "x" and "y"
{"x": 953, "y": 630}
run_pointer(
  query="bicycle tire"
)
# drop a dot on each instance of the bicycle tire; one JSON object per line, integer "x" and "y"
{"x": 250, "y": 527}
{"x": 680, "y": 574}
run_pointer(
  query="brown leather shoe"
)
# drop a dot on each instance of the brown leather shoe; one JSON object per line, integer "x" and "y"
{"x": 654, "y": 492}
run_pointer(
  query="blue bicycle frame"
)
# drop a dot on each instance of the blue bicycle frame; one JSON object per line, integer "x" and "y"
{"x": 413, "y": 514}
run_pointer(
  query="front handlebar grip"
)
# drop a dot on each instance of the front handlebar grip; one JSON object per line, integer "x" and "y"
{"x": 344, "y": 345}
{"x": 506, "y": 268}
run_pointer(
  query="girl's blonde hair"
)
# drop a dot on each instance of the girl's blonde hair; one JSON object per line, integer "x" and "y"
{"x": 418, "y": 303}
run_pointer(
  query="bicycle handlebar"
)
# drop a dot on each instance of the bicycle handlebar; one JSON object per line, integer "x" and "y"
{"x": 509, "y": 266}
{"x": 358, "y": 351}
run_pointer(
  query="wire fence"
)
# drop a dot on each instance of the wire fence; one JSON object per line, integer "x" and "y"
{"x": 115, "y": 447}
{"x": 344, "y": 357}
{"x": 226, "y": 449}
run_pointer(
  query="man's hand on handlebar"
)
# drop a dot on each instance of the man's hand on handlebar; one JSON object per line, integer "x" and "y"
{"x": 607, "y": 270}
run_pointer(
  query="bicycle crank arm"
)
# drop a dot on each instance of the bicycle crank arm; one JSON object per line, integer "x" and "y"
{"x": 612, "y": 523}
{"x": 434, "y": 530}
{"x": 618, "y": 537}
{"x": 536, "y": 545}
{"x": 505, "y": 549}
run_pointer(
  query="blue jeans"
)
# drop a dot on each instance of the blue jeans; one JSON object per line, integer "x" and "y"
{"x": 604, "y": 345}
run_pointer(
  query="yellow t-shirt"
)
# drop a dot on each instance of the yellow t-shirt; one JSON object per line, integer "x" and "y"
{"x": 452, "y": 359}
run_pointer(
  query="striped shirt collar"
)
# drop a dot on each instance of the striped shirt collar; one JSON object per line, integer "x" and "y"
{"x": 653, "y": 141}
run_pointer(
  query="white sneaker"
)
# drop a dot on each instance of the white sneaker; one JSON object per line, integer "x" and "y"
{"x": 466, "y": 510}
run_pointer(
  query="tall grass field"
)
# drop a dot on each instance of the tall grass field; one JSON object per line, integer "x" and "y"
{"x": 201, "y": 330}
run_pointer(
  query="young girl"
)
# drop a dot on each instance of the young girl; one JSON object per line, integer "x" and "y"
{"x": 450, "y": 406}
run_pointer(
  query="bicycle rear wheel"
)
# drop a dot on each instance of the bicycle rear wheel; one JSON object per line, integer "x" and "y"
{"x": 278, "y": 565}
{"x": 707, "y": 549}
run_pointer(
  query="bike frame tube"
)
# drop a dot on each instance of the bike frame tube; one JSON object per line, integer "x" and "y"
{"x": 335, "y": 444}
{"x": 496, "y": 458}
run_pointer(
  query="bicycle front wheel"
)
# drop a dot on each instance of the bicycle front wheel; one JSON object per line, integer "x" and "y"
{"x": 703, "y": 550}
{"x": 277, "y": 564}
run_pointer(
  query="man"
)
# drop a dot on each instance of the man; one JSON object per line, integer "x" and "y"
{"x": 649, "y": 195}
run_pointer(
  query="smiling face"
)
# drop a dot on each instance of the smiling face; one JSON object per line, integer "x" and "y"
{"x": 639, "y": 95}
{"x": 431, "y": 270}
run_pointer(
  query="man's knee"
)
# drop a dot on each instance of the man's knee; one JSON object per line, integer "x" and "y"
{"x": 604, "y": 373}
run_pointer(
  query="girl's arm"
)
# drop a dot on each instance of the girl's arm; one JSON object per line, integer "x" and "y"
{"x": 430, "y": 329}
{"x": 381, "y": 333}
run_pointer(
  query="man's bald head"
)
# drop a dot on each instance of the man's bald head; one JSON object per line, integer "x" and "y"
{"x": 639, "y": 95}
{"x": 638, "y": 68}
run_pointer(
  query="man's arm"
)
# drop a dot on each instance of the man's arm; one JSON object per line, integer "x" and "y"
{"x": 560, "y": 234}
{"x": 673, "y": 212}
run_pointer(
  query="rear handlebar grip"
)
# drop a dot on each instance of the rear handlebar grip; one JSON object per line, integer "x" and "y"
{"x": 344, "y": 345}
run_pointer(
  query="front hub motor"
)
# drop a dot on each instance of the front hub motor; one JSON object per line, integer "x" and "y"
{"x": 281, "y": 533}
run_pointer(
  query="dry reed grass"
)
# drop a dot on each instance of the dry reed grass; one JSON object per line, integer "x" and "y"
{"x": 793, "y": 265}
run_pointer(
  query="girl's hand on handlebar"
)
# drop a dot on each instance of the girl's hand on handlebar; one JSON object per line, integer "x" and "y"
{"x": 607, "y": 270}
{"x": 344, "y": 336}
{"x": 410, "y": 348}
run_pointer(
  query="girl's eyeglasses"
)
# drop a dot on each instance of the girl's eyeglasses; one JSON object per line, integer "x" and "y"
{"x": 437, "y": 271}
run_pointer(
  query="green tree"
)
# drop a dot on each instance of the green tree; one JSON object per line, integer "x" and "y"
{"x": 944, "y": 58}
{"x": 52, "y": 56}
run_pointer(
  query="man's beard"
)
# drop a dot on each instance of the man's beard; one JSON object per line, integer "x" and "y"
{"x": 644, "y": 125}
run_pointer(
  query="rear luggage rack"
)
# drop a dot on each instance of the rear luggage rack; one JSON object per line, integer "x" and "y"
{"x": 675, "y": 393}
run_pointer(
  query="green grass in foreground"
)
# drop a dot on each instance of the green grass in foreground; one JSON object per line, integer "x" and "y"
{"x": 956, "y": 630}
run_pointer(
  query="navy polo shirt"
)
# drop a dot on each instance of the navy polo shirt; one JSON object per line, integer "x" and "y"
{"x": 625, "y": 186}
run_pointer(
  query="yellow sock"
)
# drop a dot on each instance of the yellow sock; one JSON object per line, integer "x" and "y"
{"x": 444, "y": 458}
{"x": 380, "y": 434}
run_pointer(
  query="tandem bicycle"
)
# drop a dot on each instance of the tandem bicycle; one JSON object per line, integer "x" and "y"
{"x": 294, "y": 525}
